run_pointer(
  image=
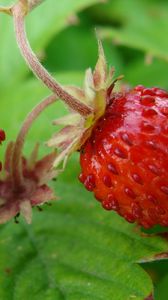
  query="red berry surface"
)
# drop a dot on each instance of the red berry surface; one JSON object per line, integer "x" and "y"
{"x": 125, "y": 160}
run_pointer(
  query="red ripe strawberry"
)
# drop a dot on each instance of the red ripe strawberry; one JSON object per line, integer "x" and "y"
{"x": 123, "y": 142}
{"x": 125, "y": 160}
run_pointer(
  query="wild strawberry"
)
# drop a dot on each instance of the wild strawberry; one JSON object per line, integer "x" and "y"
{"x": 125, "y": 160}
{"x": 123, "y": 144}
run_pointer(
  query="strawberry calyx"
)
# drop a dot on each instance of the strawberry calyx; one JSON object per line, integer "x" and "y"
{"x": 98, "y": 88}
{"x": 24, "y": 181}
{"x": 35, "y": 191}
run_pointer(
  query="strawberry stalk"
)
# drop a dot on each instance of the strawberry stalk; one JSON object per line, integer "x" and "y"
{"x": 17, "y": 175}
{"x": 19, "y": 12}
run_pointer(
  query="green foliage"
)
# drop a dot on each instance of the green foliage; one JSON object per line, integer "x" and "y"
{"x": 142, "y": 25}
{"x": 74, "y": 249}
{"x": 162, "y": 287}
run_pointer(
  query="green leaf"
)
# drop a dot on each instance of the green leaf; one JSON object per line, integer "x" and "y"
{"x": 142, "y": 25}
{"x": 154, "y": 74}
{"x": 74, "y": 249}
{"x": 161, "y": 291}
{"x": 56, "y": 16}
{"x": 86, "y": 50}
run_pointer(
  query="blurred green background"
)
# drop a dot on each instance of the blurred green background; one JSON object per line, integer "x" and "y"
{"x": 134, "y": 35}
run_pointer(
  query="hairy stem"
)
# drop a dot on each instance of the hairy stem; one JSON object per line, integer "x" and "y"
{"x": 18, "y": 147}
{"x": 34, "y": 3}
{"x": 30, "y": 4}
{"x": 38, "y": 69}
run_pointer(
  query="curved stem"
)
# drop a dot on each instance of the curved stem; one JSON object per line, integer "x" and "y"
{"x": 38, "y": 69}
{"x": 17, "y": 152}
